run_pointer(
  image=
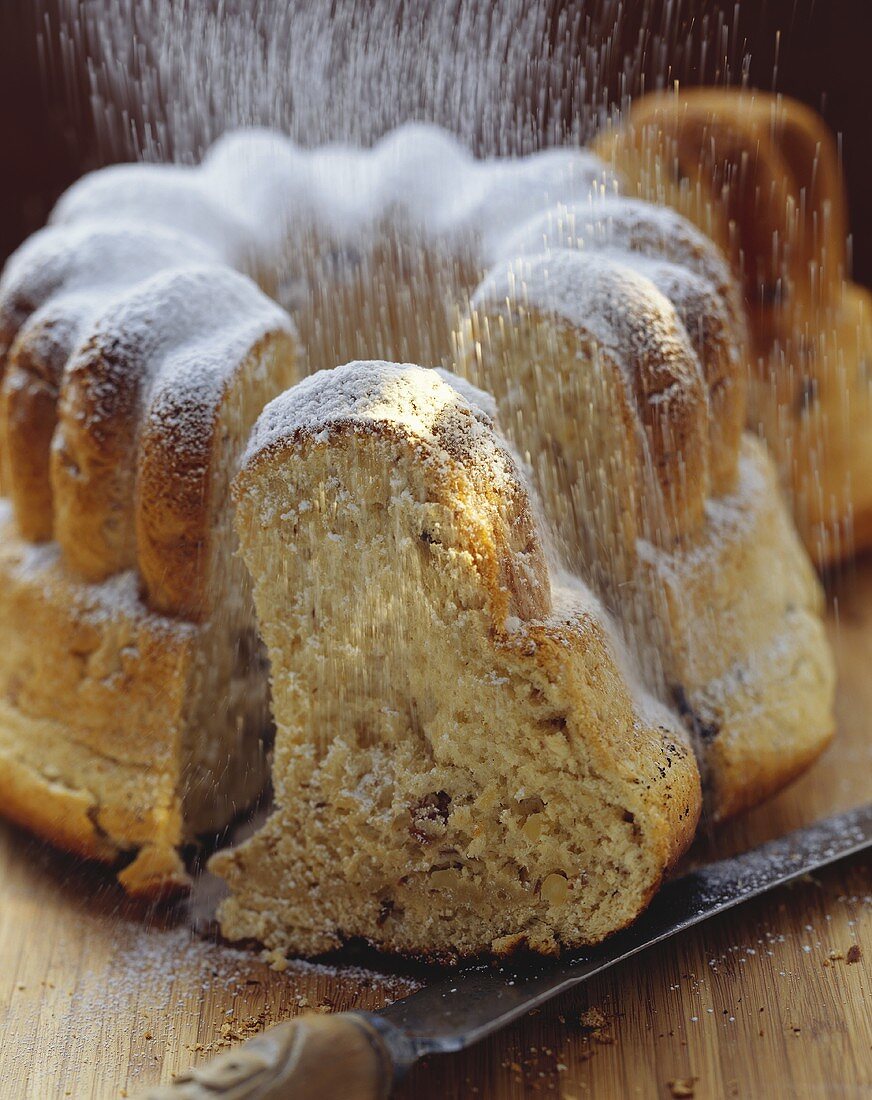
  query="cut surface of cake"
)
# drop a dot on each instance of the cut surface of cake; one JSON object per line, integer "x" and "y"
{"x": 461, "y": 764}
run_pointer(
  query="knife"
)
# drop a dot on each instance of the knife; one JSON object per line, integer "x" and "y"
{"x": 362, "y": 1055}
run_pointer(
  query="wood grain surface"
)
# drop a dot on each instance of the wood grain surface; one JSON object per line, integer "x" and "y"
{"x": 98, "y": 999}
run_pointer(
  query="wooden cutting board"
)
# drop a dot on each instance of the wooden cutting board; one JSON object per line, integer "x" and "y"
{"x": 98, "y": 999}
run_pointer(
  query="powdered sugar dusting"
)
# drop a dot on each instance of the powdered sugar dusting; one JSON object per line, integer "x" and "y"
{"x": 147, "y": 960}
{"x": 571, "y": 597}
{"x": 728, "y": 519}
{"x": 169, "y": 196}
{"x": 479, "y": 399}
{"x": 369, "y": 396}
{"x": 148, "y": 987}
{"x": 210, "y": 319}
{"x": 622, "y": 224}
{"x": 655, "y": 240}
{"x": 117, "y": 598}
{"x": 256, "y": 193}
{"x": 598, "y": 293}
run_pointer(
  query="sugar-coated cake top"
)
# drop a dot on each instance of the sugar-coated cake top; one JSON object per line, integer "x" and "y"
{"x": 600, "y": 293}
{"x": 210, "y": 319}
{"x": 627, "y": 224}
{"x": 139, "y": 287}
{"x": 632, "y": 229}
{"x": 431, "y": 406}
{"x": 255, "y": 187}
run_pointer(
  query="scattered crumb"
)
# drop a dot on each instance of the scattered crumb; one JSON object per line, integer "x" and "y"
{"x": 855, "y": 953}
{"x": 174, "y": 972}
{"x": 682, "y": 1087}
{"x": 595, "y": 1025}
{"x": 592, "y": 1020}
{"x": 276, "y": 960}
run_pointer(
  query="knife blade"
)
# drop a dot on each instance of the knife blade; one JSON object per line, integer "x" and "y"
{"x": 361, "y": 1055}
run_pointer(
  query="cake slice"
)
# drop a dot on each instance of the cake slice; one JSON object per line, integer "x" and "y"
{"x": 461, "y": 764}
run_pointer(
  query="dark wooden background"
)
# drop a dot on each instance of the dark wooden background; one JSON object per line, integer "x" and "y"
{"x": 823, "y": 58}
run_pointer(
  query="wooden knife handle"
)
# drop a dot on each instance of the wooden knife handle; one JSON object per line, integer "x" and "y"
{"x": 312, "y": 1057}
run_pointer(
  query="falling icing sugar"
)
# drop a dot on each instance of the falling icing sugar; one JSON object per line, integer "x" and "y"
{"x": 166, "y": 78}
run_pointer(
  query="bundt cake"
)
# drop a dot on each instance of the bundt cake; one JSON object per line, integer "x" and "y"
{"x": 760, "y": 174}
{"x": 138, "y": 344}
{"x": 460, "y": 763}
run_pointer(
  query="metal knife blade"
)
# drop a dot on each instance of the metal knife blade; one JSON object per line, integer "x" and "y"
{"x": 361, "y": 1055}
{"x": 473, "y": 1003}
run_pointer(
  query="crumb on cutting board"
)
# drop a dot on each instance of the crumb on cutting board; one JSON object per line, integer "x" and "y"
{"x": 682, "y": 1087}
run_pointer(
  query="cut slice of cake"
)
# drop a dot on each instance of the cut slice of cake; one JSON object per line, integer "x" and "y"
{"x": 461, "y": 765}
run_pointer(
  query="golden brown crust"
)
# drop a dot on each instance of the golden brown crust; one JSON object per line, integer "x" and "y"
{"x": 54, "y": 812}
{"x": 720, "y": 346}
{"x": 749, "y": 773}
{"x": 83, "y": 367}
{"x": 761, "y": 174}
{"x": 59, "y": 280}
{"x": 67, "y": 819}
{"x": 743, "y": 645}
{"x": 93, "y": 459}
{"x": 183, "y": 476}
{"x": 693, "y": 274}
{"x": 155, "y": 874}
{"x": 144, "y": 428}
{"x": 28, "y": 414}
{"x": 92, "y": 705}
{"x": 632, "y": 361}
